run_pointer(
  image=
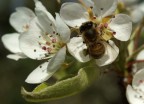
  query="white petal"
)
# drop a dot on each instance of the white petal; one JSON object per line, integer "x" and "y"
{"x": 133, "y": 96}
{"x": 105, "y": 7}
{"x": 39, "y": 6}
{"x": 21, "y": 18}
{"x": 11, "y": 42}
{"x": 128, "y": 1}
{"x": 138, "y": 79}
{"x": 122, "y": 25}
{"x": 45, "y": 22}
{"x": 16, "y": 56}
{"x": 140, "y": 56}
{"x": 29, "y": 44}
{"x": 39, "y": 75}
{"x": 136, "y": 15}
{"x": 110, "y": 55}
{"x": 88, "y": 3}
{"x": 62, "y": 29}
{"x": 76, "y": 49}
{"x": 140, "y": 65}
{"x": 141, "y": 6}
{"x": 57, "y": 61}
{"x": 73, "y": 14}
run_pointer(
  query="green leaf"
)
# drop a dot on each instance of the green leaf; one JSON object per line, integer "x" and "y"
{"x": 63, "y": 88}
{"x": 41, "y": 86}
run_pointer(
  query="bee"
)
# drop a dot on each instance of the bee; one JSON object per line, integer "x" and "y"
{"x": 95, "y": 46}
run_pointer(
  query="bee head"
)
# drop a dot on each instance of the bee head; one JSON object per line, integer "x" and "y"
{"x": 86, "y": 26}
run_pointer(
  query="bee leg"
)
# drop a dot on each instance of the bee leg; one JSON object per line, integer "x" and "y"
{"x": 75, "y": 32}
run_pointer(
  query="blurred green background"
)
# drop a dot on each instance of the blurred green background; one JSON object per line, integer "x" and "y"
{"x": 107, "y": 90}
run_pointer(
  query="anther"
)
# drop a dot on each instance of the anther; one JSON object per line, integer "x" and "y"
{"x": 114, "y": 33}
{"x": 101, "y": 8}
{"x": 34, "y": 50}
{"x": 44, "y": 48}
{"x": 91, "y": 7}
{"x": 53, "y": 32}
{"x": 40, "y": 66}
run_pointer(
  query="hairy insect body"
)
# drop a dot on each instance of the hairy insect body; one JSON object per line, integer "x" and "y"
{"x": 91, "y": 37}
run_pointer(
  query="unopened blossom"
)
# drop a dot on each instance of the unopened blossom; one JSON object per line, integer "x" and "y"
{"x": 20, "y": 21}
{"x": 135, "y": 93}
{"x": 109, "y": 25}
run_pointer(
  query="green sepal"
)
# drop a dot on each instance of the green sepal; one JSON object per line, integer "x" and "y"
{"x": 63, "y": 88}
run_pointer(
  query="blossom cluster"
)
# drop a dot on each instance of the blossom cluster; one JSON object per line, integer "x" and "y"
{"x": 42, "y": 36}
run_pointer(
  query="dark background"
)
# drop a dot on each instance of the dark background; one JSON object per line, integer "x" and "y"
{"x": 107, "y": 90}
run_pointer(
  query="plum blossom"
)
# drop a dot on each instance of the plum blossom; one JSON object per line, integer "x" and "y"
{"x": 135, "y": 93}
{"x": 109, "y": 25}
{"x": 20, "y": 21}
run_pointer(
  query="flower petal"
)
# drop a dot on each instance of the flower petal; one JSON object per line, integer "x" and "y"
{"x": 105, "y": 7}
{"x": 136, "y": 15}
{"x": 30, "y": 45}
{"x": 16, "y": 56}
{"x": 62, "y": 29}
{"x": 110, "y": 55}
{"x": 45, "y": 22}
{"x": 140, "y": 65}
{"x": 11, "y": 42}
{"x": 132, "y": 96}
{"x": 73, "y": 14}
{"x": 47, "y": 69}
{"x": 140, "y": 56}
{"x": 57, "y": 61}
{"x": 39, "y": 6}
{"x": 122, "y": 25}
{"x": 88, "y": 3}
{"x": 76, "y": 48}
{"x": 138, "y": 79}
{"x": 39, "y": 75}
{"x": 21, "y": 18}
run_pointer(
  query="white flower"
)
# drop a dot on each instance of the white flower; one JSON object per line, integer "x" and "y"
{"x": 45, "y": 39}
{"x": 135, "y": 93}
{"x": 20, "y": 21}
{"x": 99, "y": 12}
